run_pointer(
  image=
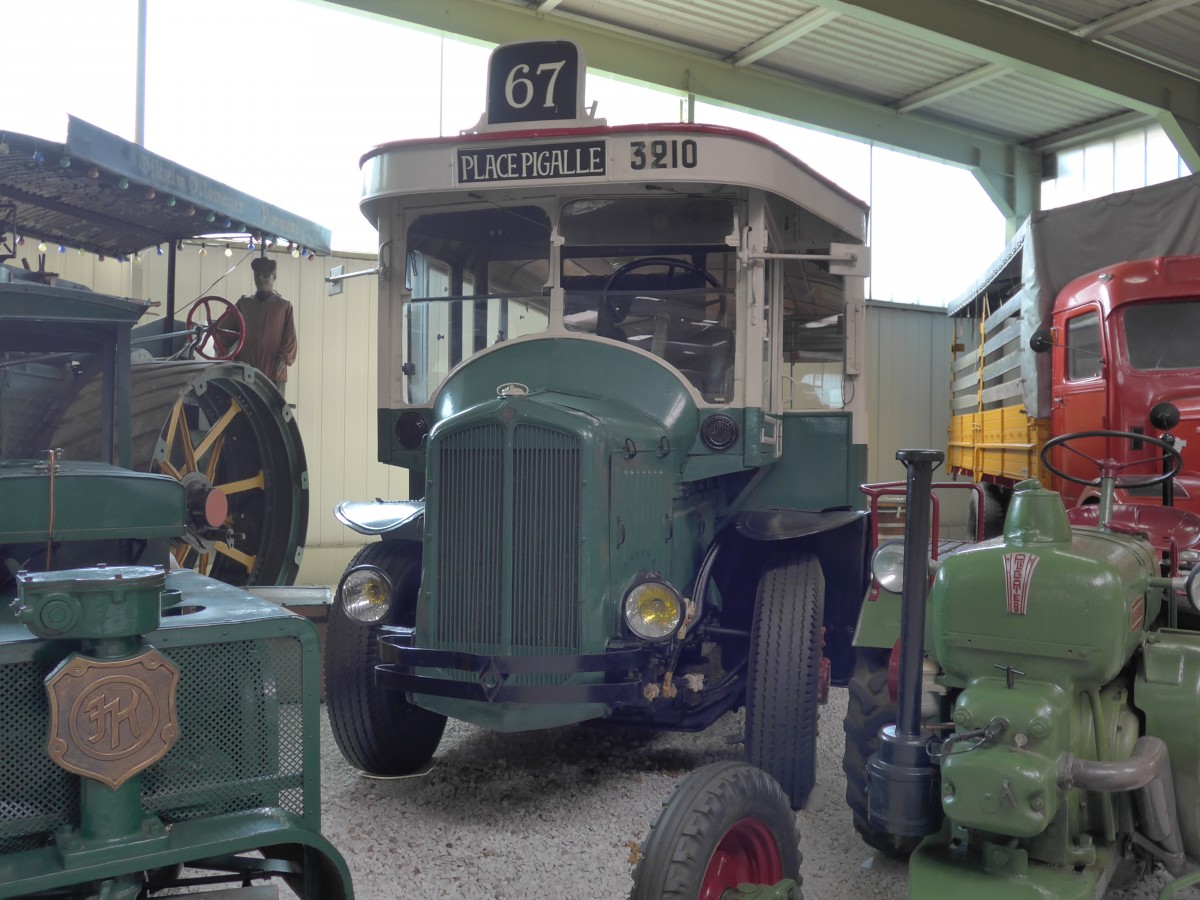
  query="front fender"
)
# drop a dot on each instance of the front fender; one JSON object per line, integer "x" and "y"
{"x": 841, "y": 540}
{"x": 402, "y": 518}
{"x": 784, "y": 524}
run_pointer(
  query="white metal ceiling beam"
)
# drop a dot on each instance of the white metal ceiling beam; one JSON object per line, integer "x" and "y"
{"x": 1008, "y": 173}
{"x": 1093, "y": 131}
{"x": 1128, "y": 17}
{"x": 1053, "y": 56}
{"x": 781, "y": 37}
{"x": 950, "y": 87}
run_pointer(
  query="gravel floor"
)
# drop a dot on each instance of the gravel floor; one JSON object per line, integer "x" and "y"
{"x": 557, "y": 814}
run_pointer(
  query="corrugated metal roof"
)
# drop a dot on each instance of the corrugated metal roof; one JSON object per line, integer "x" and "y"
{"x": 1030, "y": 73}
{"x": 867, "y": 59}
{"x": 101, "y": 193}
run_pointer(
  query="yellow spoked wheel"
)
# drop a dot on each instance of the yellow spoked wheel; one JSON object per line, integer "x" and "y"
{"x": 224, "y": 432}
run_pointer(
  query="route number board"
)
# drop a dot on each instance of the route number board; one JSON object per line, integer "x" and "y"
{"x": 535, "y": 81}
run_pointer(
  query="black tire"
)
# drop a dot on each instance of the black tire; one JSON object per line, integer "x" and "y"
{"x": 727, "y": 806}
{"x": 784, "y": 669}
{"x": 377, "y": 730}
{"x": 868, "y": 708}
{"x": 994, "y": 508}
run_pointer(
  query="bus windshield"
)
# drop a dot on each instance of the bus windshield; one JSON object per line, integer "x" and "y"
{"x": 475, "y": 277}
{"x": 657, "y": 273}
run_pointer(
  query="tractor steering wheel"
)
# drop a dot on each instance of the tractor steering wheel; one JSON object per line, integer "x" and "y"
{"x": 219, "y": 331}
{"x": 614, "y": 310}
{"x": 1111, "y": 468}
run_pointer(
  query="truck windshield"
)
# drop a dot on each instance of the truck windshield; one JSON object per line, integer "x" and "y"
{"x": 656, "y": 273}
{"x": 1162, "y": 335}
{"x": 476, "y": 277}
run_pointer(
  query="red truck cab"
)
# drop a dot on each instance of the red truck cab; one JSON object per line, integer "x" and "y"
{"x": 1127, "y": 339}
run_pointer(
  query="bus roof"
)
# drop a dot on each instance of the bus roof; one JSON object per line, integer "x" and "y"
{"x": 690, "y": 154}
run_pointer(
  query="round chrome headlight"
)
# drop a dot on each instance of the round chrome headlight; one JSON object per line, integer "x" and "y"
{"x": 366, "y": 595}
{"x": 1191, "y": 588}
{"x": 887, "y": 566}
{"x": 653, "y": 610}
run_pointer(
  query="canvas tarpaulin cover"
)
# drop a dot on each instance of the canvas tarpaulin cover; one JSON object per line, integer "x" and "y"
{"x": 1059, "y": 245}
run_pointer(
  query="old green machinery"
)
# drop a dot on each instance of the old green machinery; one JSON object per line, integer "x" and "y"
{"x": 203, "y": 422}
{"x": 161, "y": 727}
{"x": 1044, "y": 742}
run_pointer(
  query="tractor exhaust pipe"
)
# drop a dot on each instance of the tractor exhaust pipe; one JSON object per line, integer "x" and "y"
{"x": 1148, "y": 772}
{"x": 903, "y": 781}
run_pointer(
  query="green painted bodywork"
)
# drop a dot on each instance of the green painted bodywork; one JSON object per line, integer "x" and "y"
{"x": 92, "y": 501}
{"x": 938, "y": 869}
{"x": 1168, "y": 683}
{"x": 92, "y": 541}
{"x": 1043, "y": 628}
{"x": 879, "y": 621}
{"x": 651, "y": 496}
{"x": 821, "y": 466}
{"x": 244, "y": 774}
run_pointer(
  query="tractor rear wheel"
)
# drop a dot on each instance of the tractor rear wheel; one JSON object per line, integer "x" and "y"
{"x": 221, "y": 426}
{"x": 784, "y": 673}
{"x": 868, "y": 709}
{"x": 377, "y": 730}
{"x": 727, "y": 824}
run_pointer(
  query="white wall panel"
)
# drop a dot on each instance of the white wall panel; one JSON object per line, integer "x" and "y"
{"x": 908, "y": 376}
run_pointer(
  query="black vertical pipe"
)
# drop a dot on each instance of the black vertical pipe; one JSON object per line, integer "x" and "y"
{"x": 1168, "y": 488}
{"x": 903, "y": 793}
{"x": 920, "y": 465}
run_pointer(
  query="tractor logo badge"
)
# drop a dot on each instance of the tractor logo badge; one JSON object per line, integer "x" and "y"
{"x": 1018, "y": 572}
{"x": 110, "y": 720}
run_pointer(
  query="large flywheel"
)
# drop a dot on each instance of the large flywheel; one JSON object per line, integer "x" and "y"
{"x": 226, "y": 433}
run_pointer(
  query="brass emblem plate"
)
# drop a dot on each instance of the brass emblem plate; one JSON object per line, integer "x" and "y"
{"x": 110, "y": 720}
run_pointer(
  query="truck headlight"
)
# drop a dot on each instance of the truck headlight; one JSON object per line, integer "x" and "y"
{"x": 653, "y": 609}
{"x": 887, "y": 566}
{"x": 366, "y": 595}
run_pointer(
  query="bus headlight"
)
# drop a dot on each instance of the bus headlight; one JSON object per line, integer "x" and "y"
{"x": 887, "y": 566}
{"x": 366, "y": 595}
{"x": 653, "y": 609}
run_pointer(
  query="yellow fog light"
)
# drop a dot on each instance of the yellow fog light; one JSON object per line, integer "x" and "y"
{"x": 653, "y": 610}
{"x": 366, "y": 595}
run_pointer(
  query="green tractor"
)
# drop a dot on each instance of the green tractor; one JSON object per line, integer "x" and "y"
{"x": 1041, "y": 743}
{"x": 161, "y": 726}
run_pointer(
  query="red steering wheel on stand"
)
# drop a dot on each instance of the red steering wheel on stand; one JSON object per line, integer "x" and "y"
{"x": 218, "y": 329}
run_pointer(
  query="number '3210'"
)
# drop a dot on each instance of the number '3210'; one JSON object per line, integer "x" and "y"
{"x": 663, "y": 154}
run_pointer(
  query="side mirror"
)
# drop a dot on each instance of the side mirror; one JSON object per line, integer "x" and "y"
{"x": 1164, "y": 416}
{"x": 1041, "y": 341}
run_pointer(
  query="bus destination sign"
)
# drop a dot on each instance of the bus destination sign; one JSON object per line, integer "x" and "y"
{"x": 574, "y": 159}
